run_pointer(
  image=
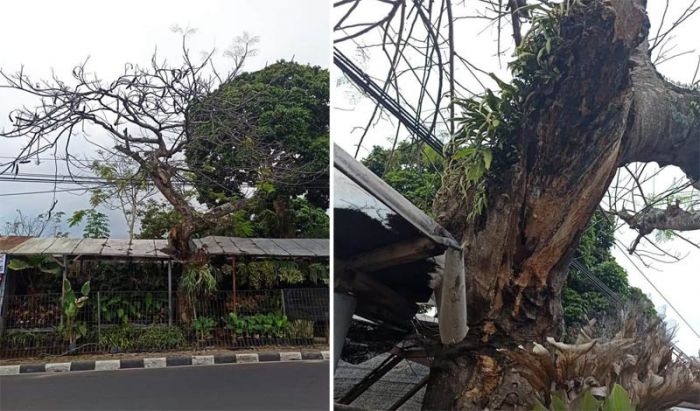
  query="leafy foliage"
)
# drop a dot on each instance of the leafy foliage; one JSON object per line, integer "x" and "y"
{"x": 286, "y": 110}
{"x": 271, "y": 325}
{"x": 42, "y": 263}
{"x": 301, "y": 329}
{"x": 484, "y": 142}
{"x": 412, "y": 170}
{"x": 129, "y": 337}
{"x": 265, "y": 274}
{"x": 26, "y": 340}
{"x": 580, "y": 298}
{"x": 124, "y": 308}
{"x": 203, "y": 327}
{"x": 96, "y": 224}
{"x": 129, "y": 186}
{"x": 156, "y": 219}
{"x": 485, "y": 128}
{"x": 159, "y": 337}
{"x": 254, "y": 220}
{"x": 72, "y": 329}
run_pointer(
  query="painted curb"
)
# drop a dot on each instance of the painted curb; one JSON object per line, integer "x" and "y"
{"x": 246, "y": 358}
{"x": 162, "y": 362}
{"x": 203, "y": 360}
{"x": 9, "y": 370}
{"x": 290, "y": 356}
{"x": 154, "y": 362}
{"x": 58, "y": 367}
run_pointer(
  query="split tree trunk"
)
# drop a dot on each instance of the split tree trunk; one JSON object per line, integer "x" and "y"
{"x": 573, "y": 137}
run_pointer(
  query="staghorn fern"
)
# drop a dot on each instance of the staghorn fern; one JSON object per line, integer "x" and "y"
{"x": 639, "y": 358}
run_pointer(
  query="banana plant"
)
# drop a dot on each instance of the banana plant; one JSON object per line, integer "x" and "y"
{"x": 72, "y": 330}
{"x": 43, "y": 263}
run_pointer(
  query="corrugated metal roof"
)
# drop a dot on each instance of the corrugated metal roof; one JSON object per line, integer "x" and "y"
{"x": 387, "y": 195}
{"x": 147, "y": 248}
{"x": 7, "y": 243}
{"x": 136, "y": 248}
{"x": 273, "y": 247}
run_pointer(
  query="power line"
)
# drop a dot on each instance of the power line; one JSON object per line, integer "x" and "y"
{"x": 45, "y": 192}
{"x": 411, "y": 121}
{"x": 613, "y": 295}
{"x": 658, "y": 291}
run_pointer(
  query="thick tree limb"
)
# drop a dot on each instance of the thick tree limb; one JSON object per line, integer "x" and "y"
{"x": 671, "y": 218}
{"x": 665, "y": 120}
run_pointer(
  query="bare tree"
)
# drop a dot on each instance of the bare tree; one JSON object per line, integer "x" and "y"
{"x": 148, "y": 114}
{"x": 49, "y": 223}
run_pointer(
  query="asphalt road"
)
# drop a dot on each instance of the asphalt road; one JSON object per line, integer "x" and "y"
{"x": 261, "y": 386}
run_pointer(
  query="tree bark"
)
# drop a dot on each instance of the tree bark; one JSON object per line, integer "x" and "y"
{"x": 285, "y": 228}
{"x": 575, "y": 132}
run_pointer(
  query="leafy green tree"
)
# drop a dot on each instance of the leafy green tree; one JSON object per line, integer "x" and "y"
{"x": 96, "y": 223}
{"x": 580, "y": 298}
{"x": 156, "y": 219}
{"x": 413, "y": 170}
{"x": 254, "y": 220}
{"x": 286, "y": 110}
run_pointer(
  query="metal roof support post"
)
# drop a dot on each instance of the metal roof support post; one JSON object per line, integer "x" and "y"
{"x": 233, "y": 283}
{"x": 63, "y": 285}
{"x": 170, "y": 292}
{"x": 452, "y": 309}
{"x": 343, "y": 310}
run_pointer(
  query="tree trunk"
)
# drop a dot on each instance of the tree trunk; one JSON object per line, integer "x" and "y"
{"x": 575, "y": 132}
{"x": 285, "y": 228}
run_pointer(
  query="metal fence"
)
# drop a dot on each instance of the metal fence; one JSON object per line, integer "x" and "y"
{"x": 155, "y": 321}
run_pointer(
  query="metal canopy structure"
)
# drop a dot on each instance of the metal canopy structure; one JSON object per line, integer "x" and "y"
{"x": 385, "y": 251}
{"x": 157, "y": 248}
{"x": 88, "y": 247}
{"x": 272, "y": 247}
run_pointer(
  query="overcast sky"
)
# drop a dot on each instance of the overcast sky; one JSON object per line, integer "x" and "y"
{"x": 46, "y": 35}
{"x": 679, "y": 282}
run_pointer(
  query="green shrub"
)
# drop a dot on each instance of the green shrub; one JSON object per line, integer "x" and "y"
{"x": 301, "y": 329}
{"x": 130, "y": 337}
{"x": 161, "y": 337}
{"x": 28, "y": 339}
{"x": 120, "y": 338}
{"x": 203, "y": 327}
{"x": 235, "y": 323}
{"x": 270, "y": 325}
